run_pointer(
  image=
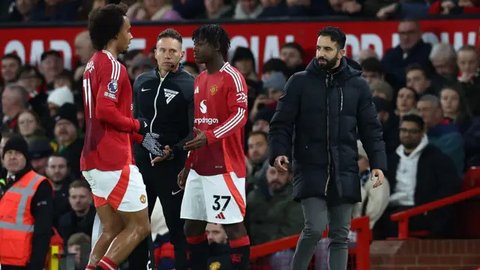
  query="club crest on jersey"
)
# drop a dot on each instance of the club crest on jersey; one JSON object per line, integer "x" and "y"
{"x": 112, "y": 86}
{"x": 213, "y": 90}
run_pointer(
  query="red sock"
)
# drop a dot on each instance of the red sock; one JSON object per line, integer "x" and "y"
{"x": 90, "y": 267}
{"x": 107, "y": 264}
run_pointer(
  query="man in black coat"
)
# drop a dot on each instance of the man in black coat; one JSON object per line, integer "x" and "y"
{"x": 418, "y": 173}
{"x": 411, "y": 50}
{"x": 164, "y": 98}
{"x": 325, "y": 108}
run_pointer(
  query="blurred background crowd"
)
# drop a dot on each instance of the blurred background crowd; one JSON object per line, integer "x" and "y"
{"x": 439, "y": 83}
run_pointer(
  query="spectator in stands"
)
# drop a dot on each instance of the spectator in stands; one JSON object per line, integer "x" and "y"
{"x": 84, "y": 51}
{"x": 444, "y": 61}
{"x": 21, "y": 10}
{"x": 382, "y": 89}
{"x": 153, "y": 10}
{"x": 218, "y": 9}
{"x": 25, "y": 202}
{"x": 247, "y": 9}
{"x": 380, "y": 9}
{"x": 56, "y": 10}
{"x": 345, "y": 7}
{"x": 189, "y": 9}
{"x": 14, "y": 101}
{"x": 293, "y": 54}
{"x": 31, "y": 79}
{"x": 364, "y": 54}
{"x": 10, "y": 68}
{"x": 77, "y": 244}
{"x": 273, "y": 213}
{"x": 64, "y": 79}
{"x": 192, "y": 68}
{"x": 468, "y": 64}
{"x": 4, "y": 138}
{"x": 29, "y": 125}
{"x": 390, "y": 123}
{"x": 51, "y": 64}
{"x": 57, "y": 98}
{"x": 219, "y": 248}
{"x": 441, "y": 133}
{"x": 416, "y": 177}
{"x": 372, "y": 70}
{"x": 299, "y": 8}
{"x": 66, "y": 136}
{"x": 406, "y": 101}
{"x": 273, "y": 8}
{"x": 262, "y": 120}
{"x": 40, "y": 150}
{"x": 454, "y": 108}
{"x": 411, "y": 50}
{"x": 374, "y": 201}
{"x": 58, "y": 171}
{"x": 80, "y": 218}
{"x": 472, "y": 143}
{"x": 273, "y": 84}
{"x": 418, "y": 79}
{"x": 257, "y": 157}
{"x": 451, "y": 7}
{"x": 244, "y": 61}
{"x": 273, "y": 65}
{"x": 140, "y": 65}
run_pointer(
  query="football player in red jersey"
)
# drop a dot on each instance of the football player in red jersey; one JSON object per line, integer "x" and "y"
{"x": 214, "y": 173}
{"x": 106, "y": 161}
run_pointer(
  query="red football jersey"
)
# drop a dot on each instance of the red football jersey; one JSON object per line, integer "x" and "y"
{"x": 221, "y": 112}
{"x": 109, "y": 125}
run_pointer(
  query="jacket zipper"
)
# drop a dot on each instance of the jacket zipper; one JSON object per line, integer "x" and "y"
{"x": 327, "y": 83}
{"x": 340, "y": 89}
{"x": 155, "y": 105}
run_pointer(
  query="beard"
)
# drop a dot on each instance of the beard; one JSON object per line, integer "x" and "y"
{"x": 327, "y": 64}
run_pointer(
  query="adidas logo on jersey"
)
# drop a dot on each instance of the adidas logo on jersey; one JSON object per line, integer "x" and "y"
{"x": 169, "y": 95}
{"x": 220, "y": 216}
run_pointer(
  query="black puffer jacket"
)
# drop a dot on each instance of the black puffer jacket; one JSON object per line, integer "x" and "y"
{"x": 323, "y": 114}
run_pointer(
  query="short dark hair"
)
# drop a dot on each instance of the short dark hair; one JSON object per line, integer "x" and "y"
{"x": 170, "y": 33}
{"x": 415, "y": 94}
{"x": 259, "y": 132}
{"x": 372, "y": 64}
{"x": 466, "y": 48}
{"x": 214, "y": 35}
{"x": 416, "y": 66}
{"x": 275, "y": 64}
{"x": 79, "y": 184}
{"x": 105, "y": 23}
{"x": 48, "y": 53}
{"x": 61, "y": 156}
{"x": 411, "y": 117}
{"x": 296, "y": 46}
{"x": 13, "y": 56}
{"x": 27, "y": 71}
{"x": 335, "y": 34}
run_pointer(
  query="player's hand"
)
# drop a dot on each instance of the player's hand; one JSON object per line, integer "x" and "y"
{"x": 144, "y": 126}
{"x": 281, "y": 163}
{"x": 182, "y": 178}
{"x": 198, "y": 141}
{"x": 150, "y": 142}
{"x": 167, "y": 154}
{"x": 378, "y": 177}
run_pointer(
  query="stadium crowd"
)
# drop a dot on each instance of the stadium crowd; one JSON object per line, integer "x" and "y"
{"x": 427, "y": 98}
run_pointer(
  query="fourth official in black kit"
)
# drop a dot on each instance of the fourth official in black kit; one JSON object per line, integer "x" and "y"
{"x": 164, "y": 98}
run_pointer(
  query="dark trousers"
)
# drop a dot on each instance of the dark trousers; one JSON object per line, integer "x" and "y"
{"x": 161, "y": 181}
